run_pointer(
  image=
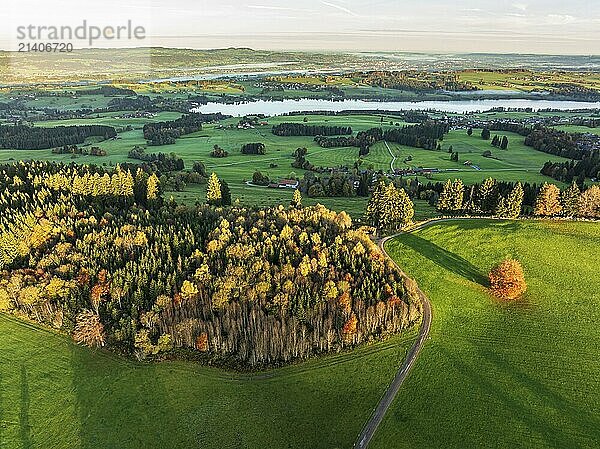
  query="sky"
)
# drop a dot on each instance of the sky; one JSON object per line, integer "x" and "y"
{"x": 445, "y": 26}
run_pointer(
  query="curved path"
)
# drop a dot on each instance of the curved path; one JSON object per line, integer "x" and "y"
{"x": 392, "y": 155}
{"x": 388, "y": 397}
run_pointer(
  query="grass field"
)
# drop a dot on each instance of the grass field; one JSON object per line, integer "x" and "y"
{"x": 579, "y": 129}
{"x": 502, "y": 375}
{"x": 54, "y": 394}
{"x": 518, "y": 163}
{"x": 528, "y": 81}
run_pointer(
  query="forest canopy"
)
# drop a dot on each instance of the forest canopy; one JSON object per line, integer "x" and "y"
{"x": 98, "y": 254}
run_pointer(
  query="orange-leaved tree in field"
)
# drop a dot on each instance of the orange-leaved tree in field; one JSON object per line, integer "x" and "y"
{"x": 507, "y": 280}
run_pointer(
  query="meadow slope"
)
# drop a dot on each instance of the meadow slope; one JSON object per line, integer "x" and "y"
{"x": 54, "y": 394}
{"x": 522, "y": 374}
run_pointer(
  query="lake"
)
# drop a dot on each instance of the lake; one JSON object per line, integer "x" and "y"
{"x": 463, "y": 106}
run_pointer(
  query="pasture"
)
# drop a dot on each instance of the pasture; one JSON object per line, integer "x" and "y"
{"x": 55, "y": 394}
{"x": 518, "y": 163}
{"x": 496, "y": 374}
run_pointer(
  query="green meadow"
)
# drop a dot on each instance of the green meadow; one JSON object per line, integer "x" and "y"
{"x": 521, "y": 374}
{"x": 518, "y": 163}
{"x": 55, "y": 394}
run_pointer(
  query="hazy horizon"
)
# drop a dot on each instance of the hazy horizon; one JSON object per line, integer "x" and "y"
{"x": 433, "y": 26}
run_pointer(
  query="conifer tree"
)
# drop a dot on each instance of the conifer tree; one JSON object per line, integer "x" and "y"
{"x": 452, "y": 196}
{"x": 570, "y": 200}
{"x": 389, "y": 207}
{"x": 458, "y": 193}
{"x": 152, "y": 187}
{"x": 547, "y": 203}
{"x": 225, "y": 194}
{"x": 487, "y": 198}
{"x": 444, "y": 200}
{"x": 296, "y": 199}
{"x": 213, "y": 193}
{"x": 510, "y": 206}
{"x": 406, "y": 210}
{"x": 374, "y": 206}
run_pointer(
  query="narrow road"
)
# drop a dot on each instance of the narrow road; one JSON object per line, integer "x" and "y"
{"x": 392, "y": 156}
{"x": 384, "y": 404}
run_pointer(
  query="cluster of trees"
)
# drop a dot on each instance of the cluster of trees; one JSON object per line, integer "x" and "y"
{"x": 259, "y": 179}
{"x": 362, "y": 140}
{"x": 513, "y": 127}
{"x": 500, "y": 142}
{"x": 588, "y": 167}
{"x": 389, "y": 208}
{"x": 425, "y": 135}
{"x": 484, "y": 199}
{"x": 236, "y": 285}
{"x": 218, "y": 152}
{"x": 254, "y": 148}
{"x": 572, "y": 202}
{"x": 505, "y": 200}
{"x": 161, "y": 162}
{"x": 558, "y": 143}
{"x": 166, "y": 133}
{"x": 333, "y": 184}
{"x": 74, "y": 149}
{"x": 300, "y": 129}
{"x": 22, "y": 137}
{"x": 120, "y": 183}
{"x": 300, "y": 160}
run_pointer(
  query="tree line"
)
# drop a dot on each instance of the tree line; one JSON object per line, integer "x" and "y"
{"x": 301, "y": 129}
{"x": 160, "y": 162}
{"x": 556, "y": 142}
{"x": 491, "y": 199}
{"x": 22, "y": 137}
{"x": 425, "y": 135}
{"x": 257, "y": 148}
{"x": 587, "y": 167}
{"x": 363, "y": 140}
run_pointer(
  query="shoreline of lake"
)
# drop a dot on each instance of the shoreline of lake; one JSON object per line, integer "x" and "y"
{"x": 282, "y": 107}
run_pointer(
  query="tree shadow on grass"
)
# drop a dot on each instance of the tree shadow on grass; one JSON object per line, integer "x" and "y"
{"x": 589, "y": 423}
{"x": 24, "y": 426}
{"x": 445, "y": 259}
{"x": 519, "y": 407}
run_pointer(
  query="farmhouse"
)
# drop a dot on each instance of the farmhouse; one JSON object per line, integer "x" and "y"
{"x": 284, "y": 184}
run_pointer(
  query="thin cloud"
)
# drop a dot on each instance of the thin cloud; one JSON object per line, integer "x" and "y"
{"x": 278, "y": 8}
{"x": 560, "y": 19}
{"x": 341, "y": 8}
